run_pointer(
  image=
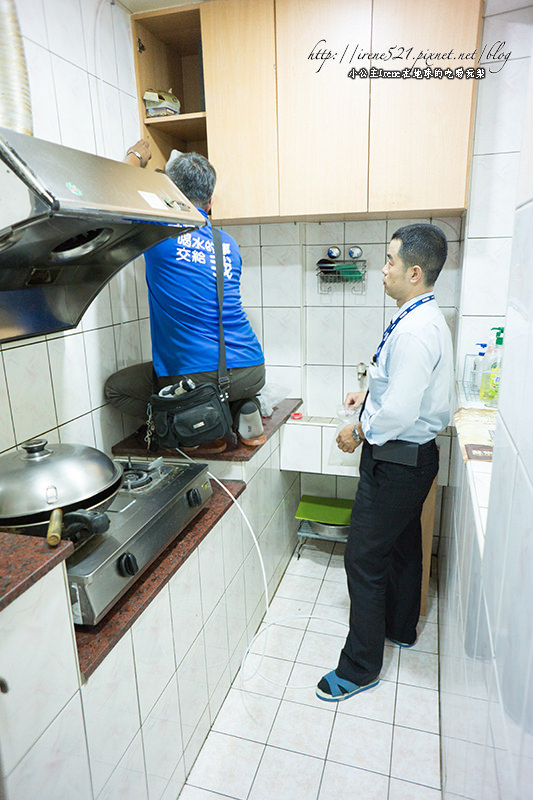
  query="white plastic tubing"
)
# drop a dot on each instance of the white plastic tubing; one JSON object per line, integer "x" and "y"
{"x": 15, "y": 102}
{"x": 265, "y": 628}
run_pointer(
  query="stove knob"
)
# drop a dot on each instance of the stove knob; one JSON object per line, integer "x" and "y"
{"x": 194, "y": 497}
{"x": 127, "y": 565}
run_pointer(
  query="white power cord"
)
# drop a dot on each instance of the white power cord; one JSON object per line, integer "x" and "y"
{"x": 267, "y": 626}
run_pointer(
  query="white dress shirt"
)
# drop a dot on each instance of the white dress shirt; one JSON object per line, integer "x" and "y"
{"x": 410, "y": 389}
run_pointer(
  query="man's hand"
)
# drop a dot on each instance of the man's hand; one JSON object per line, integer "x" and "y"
{"x": 138, "y": 154}
{"x": 345, "y": 440}
{"x": 354, "y": 399}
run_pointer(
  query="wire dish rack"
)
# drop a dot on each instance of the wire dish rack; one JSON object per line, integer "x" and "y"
{"x": 352, "y": 273}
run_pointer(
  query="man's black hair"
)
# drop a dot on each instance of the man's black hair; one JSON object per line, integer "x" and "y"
{"x": 423, "y": 245}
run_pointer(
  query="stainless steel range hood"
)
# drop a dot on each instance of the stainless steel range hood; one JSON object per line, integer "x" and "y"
{"x": 68, "y": 222}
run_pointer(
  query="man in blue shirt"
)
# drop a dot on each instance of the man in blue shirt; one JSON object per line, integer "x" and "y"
{"x": 408, "y": 403}
{"x": 184, "y": 323}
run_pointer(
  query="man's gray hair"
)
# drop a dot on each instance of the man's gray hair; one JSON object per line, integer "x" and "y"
{"x": 195, "y": 176}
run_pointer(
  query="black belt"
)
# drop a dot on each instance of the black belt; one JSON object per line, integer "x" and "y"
{"x": 399, "y": 452}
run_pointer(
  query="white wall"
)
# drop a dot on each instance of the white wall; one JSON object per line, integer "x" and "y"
{"x": 486, "y": 647}
{"x": 82, "y": 84}
{"x": 494, "y": 175}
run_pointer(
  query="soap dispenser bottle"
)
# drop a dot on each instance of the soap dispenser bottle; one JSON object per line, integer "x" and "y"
{"x": 491, "y": 368}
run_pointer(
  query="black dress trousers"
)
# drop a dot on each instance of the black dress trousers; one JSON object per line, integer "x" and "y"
{"x": 383, "y": 559}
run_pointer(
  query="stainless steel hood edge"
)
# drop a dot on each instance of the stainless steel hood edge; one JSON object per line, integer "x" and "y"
{"x": 70, "y": 221}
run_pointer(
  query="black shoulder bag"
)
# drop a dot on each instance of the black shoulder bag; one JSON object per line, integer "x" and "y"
{"x": 202, "y": 414}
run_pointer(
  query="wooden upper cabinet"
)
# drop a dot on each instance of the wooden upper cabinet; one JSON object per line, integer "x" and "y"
{"x": 420, "y": 128}
{"x": 167, "y": 52}
{"x": 322, "y": 114}
{"x": 238, "y": 47}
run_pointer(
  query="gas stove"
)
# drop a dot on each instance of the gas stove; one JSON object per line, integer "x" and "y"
{"x": 156, "y": 501}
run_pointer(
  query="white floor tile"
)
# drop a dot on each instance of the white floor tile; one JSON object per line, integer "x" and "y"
{"x": 417, "y": 708}
{"x": 334, "y": 620}
{"x": 391, "y": 659}
{"x": 311, "y": 565}
{"x": 336, "y": 572}
{"x": 283, "y": 774}
{"x": 360, "y": 742}
{"x": 192, "y": 793}
{"x": 302, "y": 728}
{"x": 403, "y": 790}
{"x": 431, "y": 610}
{"x": 227, "y": 765}
{"x": 302, "y": 685}
{"x": 320, "y": 650}
{"x": 288, "y": 612}
{"x": 376, "y": 703}
{"x": 428, "y": 638}
{"x": 273, "y": 739}
{"x": 266, "y": 675}
{"x": 334, "y": 593}
{"x": 419, "y": 669}
{"x": 247, "y": 715}
{"x": 416, "y": 756}
{"x": 299, "y": 587}
{"x": 279, "y": 642}
{"x": 342, "y": 781}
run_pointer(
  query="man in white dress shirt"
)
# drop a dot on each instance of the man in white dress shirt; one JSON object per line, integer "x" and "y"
{"x": 408, "y": 403}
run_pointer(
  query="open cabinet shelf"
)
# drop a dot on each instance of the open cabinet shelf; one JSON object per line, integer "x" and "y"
{"x": 187, "y": 127}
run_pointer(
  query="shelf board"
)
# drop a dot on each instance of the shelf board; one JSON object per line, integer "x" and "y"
{"x": 189, "y": 127}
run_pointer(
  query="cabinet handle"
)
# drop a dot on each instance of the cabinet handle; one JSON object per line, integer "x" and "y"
{"x": 4, "y": 688}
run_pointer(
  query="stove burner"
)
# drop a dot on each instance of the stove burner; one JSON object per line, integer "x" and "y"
{"x": 135, "y": 478}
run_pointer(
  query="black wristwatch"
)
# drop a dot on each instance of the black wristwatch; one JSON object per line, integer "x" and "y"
{"x": 355, "y": 434}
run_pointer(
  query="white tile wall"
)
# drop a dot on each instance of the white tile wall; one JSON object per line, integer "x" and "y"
{"x": 111, "y": 711}
{"x": 486, "y": 652}
{"x": 153, "y": 652}
{"x": 30, "y": 389}
{"x": 58, "y": 766}
{"x": 36, "y": 625}
{"x": 499, "y": 131}
{"x": 82, "y": 84}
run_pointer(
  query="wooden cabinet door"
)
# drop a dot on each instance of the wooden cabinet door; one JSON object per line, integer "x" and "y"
{"x": 322, "y": 114}
{"x": 420, "y": 129}
{"x": 238, "y": 47}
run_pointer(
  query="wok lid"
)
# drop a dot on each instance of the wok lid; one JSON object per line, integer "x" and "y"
{"x": 41, "y": 477}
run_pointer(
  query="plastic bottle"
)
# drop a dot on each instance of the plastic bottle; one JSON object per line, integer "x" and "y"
{"x": 475, "y": 375}
{"x": 490, "y": 373}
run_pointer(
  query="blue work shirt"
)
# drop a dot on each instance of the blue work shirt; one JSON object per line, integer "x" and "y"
{"x": 182, "y": 292}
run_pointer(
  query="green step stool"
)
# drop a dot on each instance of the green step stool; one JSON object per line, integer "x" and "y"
{"x": 325, "y": 518}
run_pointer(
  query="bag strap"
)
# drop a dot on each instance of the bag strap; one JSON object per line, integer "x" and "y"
{"x": 223, "y": 380}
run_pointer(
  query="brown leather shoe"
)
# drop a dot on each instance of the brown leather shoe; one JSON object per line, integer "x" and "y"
{"x": 207, "y": 449}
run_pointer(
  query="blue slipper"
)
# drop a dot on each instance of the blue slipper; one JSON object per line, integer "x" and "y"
{"x": 400, "y": 644}
{"x": 332, "y": 688}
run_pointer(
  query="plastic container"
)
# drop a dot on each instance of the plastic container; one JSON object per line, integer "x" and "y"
{"x": 477, "y": 366}
{"x": 490, "y": 372}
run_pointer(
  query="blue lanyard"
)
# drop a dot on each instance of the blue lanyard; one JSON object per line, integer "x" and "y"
{"x": 398, "y": 319}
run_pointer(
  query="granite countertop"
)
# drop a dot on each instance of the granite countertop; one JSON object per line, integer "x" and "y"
{"x": 24, "y": 560}
{"x": 475, "y": 428}
{"x": 134, "y": 445}
{"x": 94, "y": 643}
